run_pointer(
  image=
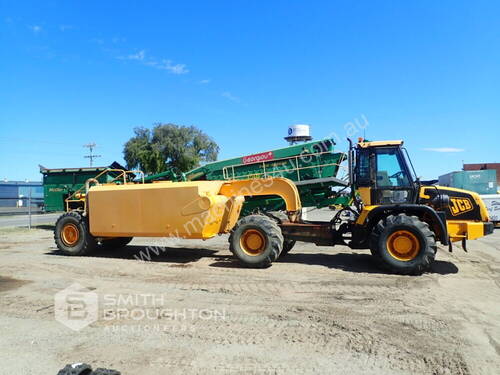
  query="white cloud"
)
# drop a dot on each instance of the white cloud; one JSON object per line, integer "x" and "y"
{"x": 205, "y": 81}
{"x": 172, "y": 68}
{"x": 137, "y": 56}
{"x": 65, "y": 27}
{"x": 444, "y": 149}
{"x": 163, "y": 64}
{"x": 35, "y": 28}
{"x": 228, "y": 95}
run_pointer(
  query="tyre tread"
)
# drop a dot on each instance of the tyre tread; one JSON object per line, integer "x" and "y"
{"x": 273, "y": 231}
{"x": 89, "y": 241}
{"x": 430, "y": 250}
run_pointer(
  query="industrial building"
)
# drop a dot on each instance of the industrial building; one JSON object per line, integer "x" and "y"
{"x": 17, "y": 193}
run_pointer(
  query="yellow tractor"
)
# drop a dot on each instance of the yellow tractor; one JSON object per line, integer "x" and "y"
{"x": 393, "y": 214}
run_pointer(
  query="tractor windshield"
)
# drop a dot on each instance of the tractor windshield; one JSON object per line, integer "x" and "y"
{"x": 391, "y": 169}
{"x": 393, "y": 184}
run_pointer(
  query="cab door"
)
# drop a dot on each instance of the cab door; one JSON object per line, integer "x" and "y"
{"x": 391, "y": 178}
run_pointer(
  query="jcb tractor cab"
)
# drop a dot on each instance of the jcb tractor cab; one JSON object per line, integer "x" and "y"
{"x": 395, "y": 215}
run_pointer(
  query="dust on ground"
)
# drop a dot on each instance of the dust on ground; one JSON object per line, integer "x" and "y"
{"x": 317, "y": 310}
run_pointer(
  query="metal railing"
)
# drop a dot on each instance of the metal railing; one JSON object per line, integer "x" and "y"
{"x": 79, "y": 195}
{"x": 228, "y": 173}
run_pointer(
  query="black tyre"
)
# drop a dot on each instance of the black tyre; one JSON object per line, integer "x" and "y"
{"x": 287, "y": 246}
{"x": 76, "y": 369}
{"x": 103, "y": 371}
{"x": 256, "y": 241}
{"x": 72, "y": 234}
{"x": 116, "y": 243}
{"x": 403, "y": 244}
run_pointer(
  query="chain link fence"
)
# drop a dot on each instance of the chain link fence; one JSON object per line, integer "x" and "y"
{"x": 21, "y": 206}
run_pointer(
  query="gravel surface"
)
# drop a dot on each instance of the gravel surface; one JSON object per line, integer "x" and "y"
{"x": 193, "y": 309}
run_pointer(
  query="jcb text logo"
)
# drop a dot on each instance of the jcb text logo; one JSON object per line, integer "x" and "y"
{"x": 460, "y": 205}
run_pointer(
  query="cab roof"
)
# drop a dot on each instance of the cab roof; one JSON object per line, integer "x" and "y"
{"x": 366, "y": 144}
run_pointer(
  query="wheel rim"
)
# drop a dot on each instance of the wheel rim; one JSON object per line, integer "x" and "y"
{"x": 403, "y": 245}
{"x": 253, "y": 242}
{"x": 70, "y": 234}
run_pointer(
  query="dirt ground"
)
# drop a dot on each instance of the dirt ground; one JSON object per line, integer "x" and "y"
{"x": 319, "y": 310}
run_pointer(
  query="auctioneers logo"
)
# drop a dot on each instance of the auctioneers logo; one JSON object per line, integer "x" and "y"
{"x": 459, "y": 206}
{"x": 76, "y": 307}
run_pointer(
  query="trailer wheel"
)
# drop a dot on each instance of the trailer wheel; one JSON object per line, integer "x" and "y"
{"x": 287, "y": 246}
{"x": 256, "y": 241}
{"x": 403, "y": 244}
{"x": 72, "y": 235}
{"x": 116, "y": 243}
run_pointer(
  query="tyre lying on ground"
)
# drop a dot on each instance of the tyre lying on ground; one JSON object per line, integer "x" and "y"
{"x": 84, "y": 369}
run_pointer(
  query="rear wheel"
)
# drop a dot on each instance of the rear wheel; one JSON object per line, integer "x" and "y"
{"x": 116, "y": 243}
{"x": 256, "y": 241}
{"x": 72, "y": 235}
{"x": 403, "y": 244}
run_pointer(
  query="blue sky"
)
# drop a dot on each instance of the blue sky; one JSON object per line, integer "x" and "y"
{"x": 75, "y": 72}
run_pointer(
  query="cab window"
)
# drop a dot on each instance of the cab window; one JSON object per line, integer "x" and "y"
{"x": 363, "y": 168}
{"x": 390, "y": 170}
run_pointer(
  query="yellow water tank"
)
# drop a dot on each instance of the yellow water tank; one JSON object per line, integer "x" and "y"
{"x": 180, "y": 209}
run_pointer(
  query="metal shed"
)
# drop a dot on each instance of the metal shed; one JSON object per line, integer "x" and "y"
{"x": 60, "y": 183}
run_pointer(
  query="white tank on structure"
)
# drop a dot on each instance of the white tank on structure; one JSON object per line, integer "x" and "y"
{"x": 298, "y": 133}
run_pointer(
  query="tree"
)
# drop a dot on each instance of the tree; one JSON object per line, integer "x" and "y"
{"x": 169, "y": 146}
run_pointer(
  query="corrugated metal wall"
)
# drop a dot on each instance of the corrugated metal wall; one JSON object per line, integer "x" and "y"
{"x": 11, "y": 191}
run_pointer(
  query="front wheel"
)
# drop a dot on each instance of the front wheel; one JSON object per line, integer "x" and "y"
{"x": 256, "y": 241}
{"x": 403, "y": 244}
{"x": 72, "y": 235}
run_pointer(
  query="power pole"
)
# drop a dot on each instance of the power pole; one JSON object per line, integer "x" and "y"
{"x": 91, "y": 156}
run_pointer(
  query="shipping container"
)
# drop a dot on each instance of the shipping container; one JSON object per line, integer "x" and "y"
{"x": 483, "y": 166}
{"x": 481, "y": 182}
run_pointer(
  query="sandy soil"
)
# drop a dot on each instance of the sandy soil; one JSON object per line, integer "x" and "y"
{"x": 319, "y": 310}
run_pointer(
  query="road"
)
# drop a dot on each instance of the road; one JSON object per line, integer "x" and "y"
{"x": 22, "y": 220}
